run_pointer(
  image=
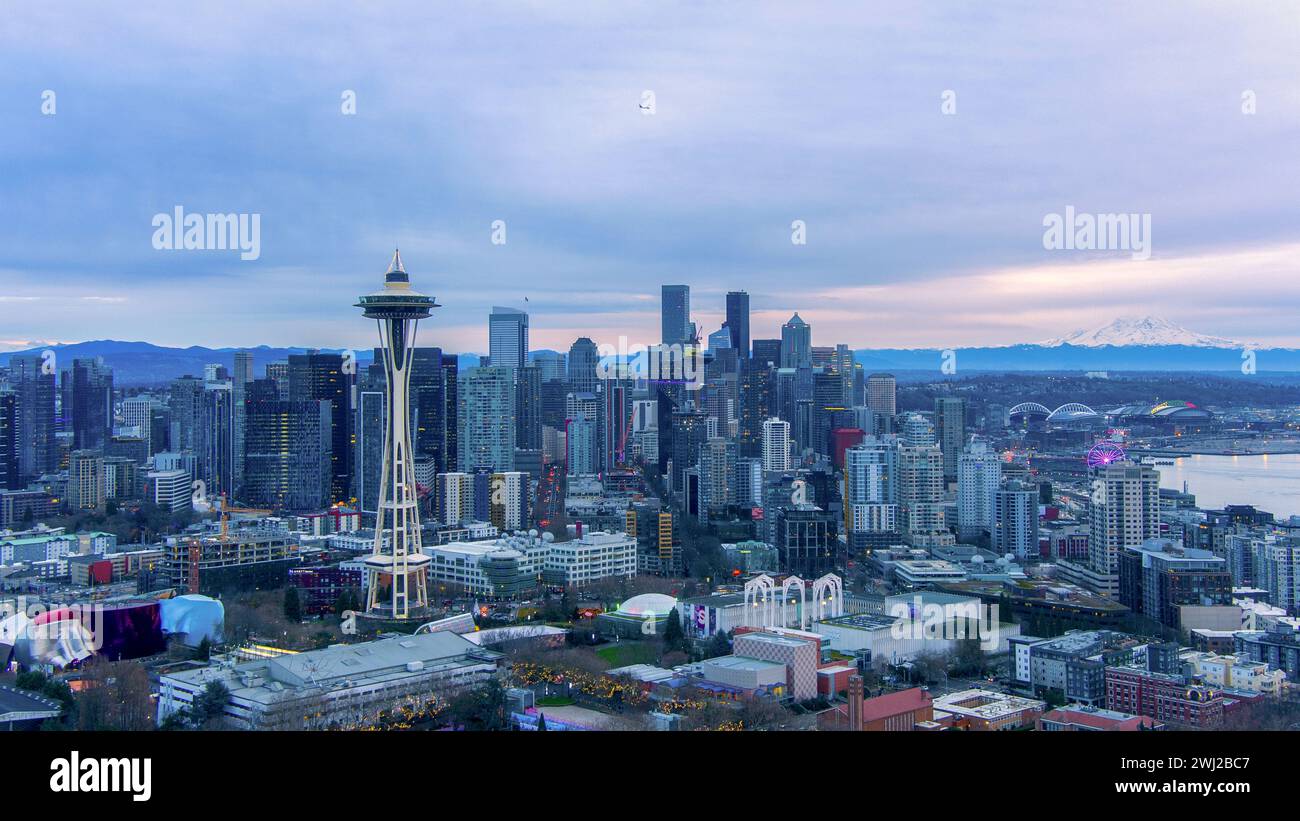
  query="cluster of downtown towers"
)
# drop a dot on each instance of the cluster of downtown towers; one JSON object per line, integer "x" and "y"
{"x": 306, "y": 432}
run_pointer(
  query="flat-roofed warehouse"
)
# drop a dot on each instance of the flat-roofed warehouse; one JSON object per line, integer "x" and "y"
{"x": 345, "y": 685}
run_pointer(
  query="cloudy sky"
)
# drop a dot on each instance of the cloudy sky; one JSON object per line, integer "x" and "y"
{"x": 924, "y": 228}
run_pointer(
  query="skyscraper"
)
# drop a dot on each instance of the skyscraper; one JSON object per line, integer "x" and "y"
{"x": 871, "y": 487}
{"x": 979, "y": 474}
{"x": 1014, "y": 527}
{"x": 675, "y": 313}
{"x": 882, "y": 394}
{"x": 185, "y": 399}
{"x": 369, "y": 462}
{"x": 583, "y": 358}
{"x": 1124, "y": 511}
{"x": 950, "y": 430}
{"x": 776, "y": 445}
{"x": 286, "y": 450}
{"x": 528, "y": 408}
{"x": 88, "y": 402}
{"x": 796, "y": 343}
{"x": 487, "y": 420}
{"x": 9, "y": 476}
{"x": 738, "y": 321}
{"x": 920, "y": 489}
{"x": 767, "y": 352}
{"x": 398, "y": 560}
{"x": 319, "y": 376}
{"x": 243, "y": 374}
{"x": 35, "y": 387}
{"x": 215, "y": 446}
{"x": 508, "y": 337}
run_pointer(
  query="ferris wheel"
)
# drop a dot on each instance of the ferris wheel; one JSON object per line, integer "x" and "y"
{"x": 1105, "y": 453}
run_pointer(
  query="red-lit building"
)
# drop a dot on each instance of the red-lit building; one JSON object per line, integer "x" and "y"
{"x": 841, "y": 440}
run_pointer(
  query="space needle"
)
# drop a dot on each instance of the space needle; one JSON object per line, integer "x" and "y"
{"x": 397, "y": 309}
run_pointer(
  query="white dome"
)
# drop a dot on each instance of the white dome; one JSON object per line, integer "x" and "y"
{"x": 648, "y": 603}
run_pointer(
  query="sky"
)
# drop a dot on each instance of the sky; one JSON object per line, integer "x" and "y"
{"x": 922, "y": 145}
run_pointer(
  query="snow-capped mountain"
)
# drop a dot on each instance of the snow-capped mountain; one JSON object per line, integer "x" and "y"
{"x": 1144, "y": 331}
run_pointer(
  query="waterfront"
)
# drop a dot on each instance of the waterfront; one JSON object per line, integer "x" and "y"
{"x": 1268, "y": 481}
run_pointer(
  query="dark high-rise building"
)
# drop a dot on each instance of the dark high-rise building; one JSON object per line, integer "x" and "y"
{"x": 528, "y": 408}
{"x": 242, "y": 375}
{"x": 432, "y": 401}
{"x": 186, "y": 405}
{"x": 675, "y": 314}
{"x": 88, "y": 403}
{"x": 9, "y": 475}
{"x": 690, "y": 431}
{"x": 287, "y": 461}
{"x": 755, "y": 394}
{"x": 738, "y": 321}
{"x": 216, "y": 439}
{"x": 616, "y": 421}
{"x": 828, "y": 398}
{"x": 807, "y": 541}
{"x": 950, "y": 432}
{"x": 368, "y": 462}
{"x": 315, "y": 377}
{"x": 34, "y": 386}
{"x": 554, "y": 398}
{"x": 583, "y": 358}
{"x": 767, "y": 351}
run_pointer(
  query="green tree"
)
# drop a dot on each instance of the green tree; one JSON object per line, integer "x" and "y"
{"x": 674, "y": 638}
{"x": 204, "y": 651}
{"x": 719, "y": 645}
{"x": 292, "y": 605}
{"x": 210, "y": 704}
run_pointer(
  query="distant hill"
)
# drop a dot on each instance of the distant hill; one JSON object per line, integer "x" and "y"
{"x": 1146, "y": 344}
{"x": 1067, "y": 357}
{"x": 142, "y": 363}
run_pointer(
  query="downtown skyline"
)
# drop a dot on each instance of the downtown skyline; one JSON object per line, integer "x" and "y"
{"x": 924, "y": 229}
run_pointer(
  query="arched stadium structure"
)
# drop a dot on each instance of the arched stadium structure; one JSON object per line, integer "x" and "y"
{"x": 1072, "y": 411}
{"x": 1026, "y": 410}
{"x": 1069, "y": 412}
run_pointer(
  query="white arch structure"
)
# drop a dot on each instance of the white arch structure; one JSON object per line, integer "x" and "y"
{"x": 828, "y": 591}
{"x": 763, "y": 608}
{"x": 1029, "y": 407}
{"x": 794, "y": 581}
{"x": 760, "y": 587}
{"x": 1075, "y": 409}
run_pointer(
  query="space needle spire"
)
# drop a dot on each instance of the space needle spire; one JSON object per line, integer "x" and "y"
{"x": 397, "y": 571}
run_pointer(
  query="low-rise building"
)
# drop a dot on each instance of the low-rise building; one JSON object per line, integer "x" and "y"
{"x": 1084, "y": 718}
{"x": 343, "y": 686}
{"x": 986, "y": 710}
{"x": 1233, "y": 672}
{"x": 1172, "y": 699}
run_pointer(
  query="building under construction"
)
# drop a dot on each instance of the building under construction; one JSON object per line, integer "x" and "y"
{"x": 247, "y": 559}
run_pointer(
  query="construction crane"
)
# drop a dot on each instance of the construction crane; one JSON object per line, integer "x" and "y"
{"x": 226, "y": 510}
{"x": 195, "y": 547}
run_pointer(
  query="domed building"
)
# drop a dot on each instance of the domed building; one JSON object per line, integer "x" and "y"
{"x": 1171, "y": 415}
{"x": 643, "y": 615}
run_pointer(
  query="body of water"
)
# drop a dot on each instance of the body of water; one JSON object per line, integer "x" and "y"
{"x": 1270, "y": 482}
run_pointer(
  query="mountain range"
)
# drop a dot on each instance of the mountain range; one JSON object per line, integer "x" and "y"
{"x": 1126, "y": 344}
